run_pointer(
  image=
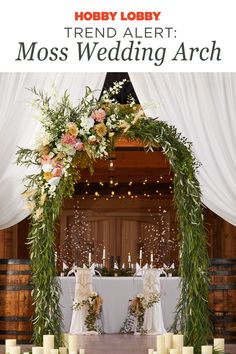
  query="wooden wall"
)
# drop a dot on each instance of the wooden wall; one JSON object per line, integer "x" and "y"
{"x": 122, "y": 226}
{"x": 119, "y": 225}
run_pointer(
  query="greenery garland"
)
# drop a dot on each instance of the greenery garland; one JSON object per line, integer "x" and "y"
{"x": 93, "y": 304}
{"x": 136, "y": 312}
{"x": 73, "y": 137}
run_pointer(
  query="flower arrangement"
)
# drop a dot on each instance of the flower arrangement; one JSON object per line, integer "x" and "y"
{"x": 94, "y": 307}
{"x": 137, "y": 310}
{"x": 73, "y": 136}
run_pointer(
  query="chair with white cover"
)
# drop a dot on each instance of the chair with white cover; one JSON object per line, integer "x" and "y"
{"x": 153, "y": 319}
{"x": 83, "y": 288}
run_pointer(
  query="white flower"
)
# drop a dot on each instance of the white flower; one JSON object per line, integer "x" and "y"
{"x": 140, "y": 296}
{"x": 43, "y": 138}
{"x": 54, "y": 181}
{"x": 87, "y": 123}
{"x": 93, "y": 294}
{"x": 47, "y": 167}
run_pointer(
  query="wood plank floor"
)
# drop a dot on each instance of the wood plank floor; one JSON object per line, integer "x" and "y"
{"x": 117, "y": 344}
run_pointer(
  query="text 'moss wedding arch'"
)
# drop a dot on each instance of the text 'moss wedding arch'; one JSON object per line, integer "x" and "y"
{"x": 74, "y": 137}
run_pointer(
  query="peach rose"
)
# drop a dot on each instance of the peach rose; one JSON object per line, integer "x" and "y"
{"x": 68, "y": 139}
{"x": 100, "y": 129}
{"x": 47, "y": 175}
{"x": 45, "y": 159}
{"x": 79, "y": 146}
{"x": 57, "y": 172}
{"x": 72, "y": 129}
{"x": 99, "y": 115}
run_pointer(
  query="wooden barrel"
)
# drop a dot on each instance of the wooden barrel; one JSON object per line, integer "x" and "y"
{"x": 222, "y": 297}
{"x": 15, "y": 300}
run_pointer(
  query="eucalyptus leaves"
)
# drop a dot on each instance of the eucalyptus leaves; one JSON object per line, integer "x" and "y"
{"x": 73, "y": 137}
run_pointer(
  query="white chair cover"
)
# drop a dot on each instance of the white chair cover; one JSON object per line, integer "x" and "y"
{"x": 153, "y": 319}
{"x": 83, "y": 288}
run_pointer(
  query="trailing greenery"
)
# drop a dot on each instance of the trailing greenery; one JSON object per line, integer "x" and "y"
{"x": 136, "y": 312}
{"x": 93, "y": 304}
{"x": 73, "y": 138}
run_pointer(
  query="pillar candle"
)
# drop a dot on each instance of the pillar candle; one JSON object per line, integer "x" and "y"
{"x": 73, "y": 343}
{"x": 150, "y": 351}
{"x": 53, "y": 351}
{"x": 104, "y": 253}
{"x": 90, "y": 257}
{"x": 129, "y": 257}
{"x": 168, "y": 340}
{"x": 178, "y": 342}
{"x": 48, "y": 343}
{"x": 161, "y": 344}
{"x": 37, "y": 350}
{"x": 14, "y": 350}
{"x": 9, "y": 343}
{"x": 82, "y": 351}
{"x": 187, "y": 350}
{"x": 151, "y": 257}
{"x": 62, "y": 350}
{"x": 173, "y": 351}
{"x": 219, "y": 344}
{"x": 207, "y": 349}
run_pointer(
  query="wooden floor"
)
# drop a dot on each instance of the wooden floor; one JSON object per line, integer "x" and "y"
{"x": 118, "y": 344}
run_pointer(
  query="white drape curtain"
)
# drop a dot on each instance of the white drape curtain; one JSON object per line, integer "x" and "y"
{"x": 18, "y": 127}
{"x": 202, "y": 106}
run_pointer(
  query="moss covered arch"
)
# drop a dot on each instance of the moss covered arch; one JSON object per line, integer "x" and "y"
{"x": 73, "y": 138}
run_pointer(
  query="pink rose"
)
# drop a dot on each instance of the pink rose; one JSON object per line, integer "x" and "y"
{"x": 99, "y": 115}
{"x": 79, "y": 146}
{"x": 57, "y": 172}
{"x": 45, "y": 159}
{"x": 68, "y": 139}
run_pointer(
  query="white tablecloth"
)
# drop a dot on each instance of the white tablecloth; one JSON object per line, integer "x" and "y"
{"x": 116, "y": 293}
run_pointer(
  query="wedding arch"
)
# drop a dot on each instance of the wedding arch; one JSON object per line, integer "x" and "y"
{"x": 73, "y": 138}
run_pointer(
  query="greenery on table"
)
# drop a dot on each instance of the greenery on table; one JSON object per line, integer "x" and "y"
{"x": 73, "y": 138}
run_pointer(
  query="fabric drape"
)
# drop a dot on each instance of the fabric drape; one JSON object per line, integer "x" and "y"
{"x": 19, "y": 127}
{"x": 202, "y": 106}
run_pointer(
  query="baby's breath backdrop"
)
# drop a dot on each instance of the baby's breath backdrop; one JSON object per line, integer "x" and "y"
{"x": 72, "y": 139}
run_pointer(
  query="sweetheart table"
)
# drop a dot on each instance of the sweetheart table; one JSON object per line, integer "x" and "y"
{"x": 116, "y": 293}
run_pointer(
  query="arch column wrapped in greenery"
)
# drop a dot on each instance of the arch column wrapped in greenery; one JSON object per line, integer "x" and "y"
{"x": 73, "y": 138}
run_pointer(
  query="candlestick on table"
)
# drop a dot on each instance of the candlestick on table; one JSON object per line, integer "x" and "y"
{"x": 140, "y": 257}
{"x": 129, "y": 260}
{"x": 151, "y": 259}
{"x": 104, "y": 256}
